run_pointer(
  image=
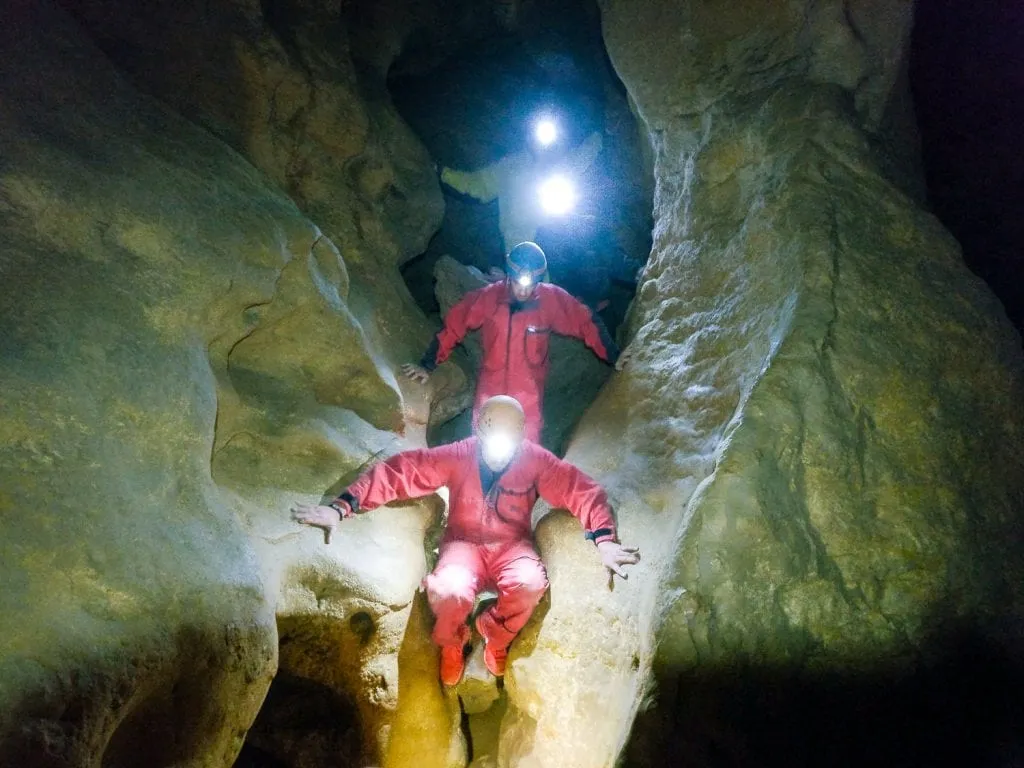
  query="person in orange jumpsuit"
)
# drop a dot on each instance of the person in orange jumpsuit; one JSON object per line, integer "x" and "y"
{"x": 494, "y": 479}
{"x": 516, "y": 318}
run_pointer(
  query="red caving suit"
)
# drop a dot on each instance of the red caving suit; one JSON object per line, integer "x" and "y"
{"x": 515, "y": 338}
{"x": 488, "y": 542}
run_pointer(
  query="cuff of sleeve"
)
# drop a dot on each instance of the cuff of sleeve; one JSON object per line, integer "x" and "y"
{"x": 600, "y": 535}
{"x": 429, "y": 359}
{"x": 346, "y": 501}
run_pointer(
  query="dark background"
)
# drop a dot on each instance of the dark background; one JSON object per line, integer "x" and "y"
{"x": 967, "y": 77}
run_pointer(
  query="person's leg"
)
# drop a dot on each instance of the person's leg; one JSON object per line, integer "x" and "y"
{"x": 519, "y": 575}
{"x": 451, "y": 589}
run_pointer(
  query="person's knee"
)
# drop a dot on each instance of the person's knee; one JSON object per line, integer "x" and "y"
{"x": 527, "y": 580}
{"x": 452, "y": 582}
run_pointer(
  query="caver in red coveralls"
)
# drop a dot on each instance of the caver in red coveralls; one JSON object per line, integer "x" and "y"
{"x": 515, "y": 338}
{"x": 488, "y": 542}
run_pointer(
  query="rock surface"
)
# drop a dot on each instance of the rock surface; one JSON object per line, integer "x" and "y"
{"x": 819, "y": 447}
{"x": 182, "y": 358}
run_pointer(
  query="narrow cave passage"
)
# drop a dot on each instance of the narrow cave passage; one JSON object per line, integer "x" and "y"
{"x": 477, "y": 110}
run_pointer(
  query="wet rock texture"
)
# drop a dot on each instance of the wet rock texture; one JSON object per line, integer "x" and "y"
{"x": 819, "y": 445}
{"x": 184, "y": 353}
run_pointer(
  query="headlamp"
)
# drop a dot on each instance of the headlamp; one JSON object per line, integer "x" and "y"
{"x": 498, "y": 448}
{"x": 525, "y": 281}
{"x": 557, "y": 195}
{"x": 546, "y": 131}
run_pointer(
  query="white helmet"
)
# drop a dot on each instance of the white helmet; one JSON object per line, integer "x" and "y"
{"x": 500, "y": 427}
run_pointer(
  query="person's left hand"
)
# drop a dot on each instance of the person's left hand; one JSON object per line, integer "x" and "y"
{"x": 614, "y": 556}
{"x": 625, "y": 357}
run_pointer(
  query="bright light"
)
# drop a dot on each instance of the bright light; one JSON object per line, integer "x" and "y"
{"x": 546, "y": 131}
{"x": 557, "y": 195}
{"x": 525, "y": 281}
{"x": 499, "y": 448}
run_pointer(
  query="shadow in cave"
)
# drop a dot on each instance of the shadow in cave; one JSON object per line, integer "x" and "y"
{"x": 477, "y": 107}
{"x": 303, "y": 722}
{"x": 961, "y": 705}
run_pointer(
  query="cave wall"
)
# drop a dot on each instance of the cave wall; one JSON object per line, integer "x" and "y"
{"x": 203, "y": 212}
{"x": 819, "y": 445}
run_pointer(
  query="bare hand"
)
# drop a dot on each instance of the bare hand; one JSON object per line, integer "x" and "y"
{"x": 625, "y": 357}
{"x": 318, "y": 516}
{"x": 416, "y": 373}
{"x": 614, "y": 556}
{"x": 495, "y": 275}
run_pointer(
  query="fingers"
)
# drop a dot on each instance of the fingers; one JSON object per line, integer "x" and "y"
{"x": 614, "y": 568}
{"x": 300, "y": 512}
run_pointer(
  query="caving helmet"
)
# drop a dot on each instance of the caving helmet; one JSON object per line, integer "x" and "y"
{"x": 500, "y": 426}
{"x": 525, "y": 265}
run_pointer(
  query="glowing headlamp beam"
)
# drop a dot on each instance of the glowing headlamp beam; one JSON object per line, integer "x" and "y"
{"x": 525, "y": 280}
{"x": 557, "y": 195}
{"x": 546, "y": 131}
{"x": 499, "y": 448}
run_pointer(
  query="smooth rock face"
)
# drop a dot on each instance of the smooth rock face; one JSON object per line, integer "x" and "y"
{"x": 181, "y": 359}
{"x": 819, "y": 446}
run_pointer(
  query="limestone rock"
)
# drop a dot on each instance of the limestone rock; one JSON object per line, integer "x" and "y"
{"x": 181, "y": 361}
{"x": 819, "y": 447}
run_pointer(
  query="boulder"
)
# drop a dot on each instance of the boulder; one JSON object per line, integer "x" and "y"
{"x": 181, "y": 360}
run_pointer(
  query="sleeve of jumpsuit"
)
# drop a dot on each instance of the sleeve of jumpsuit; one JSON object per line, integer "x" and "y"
{"x": 564, "y": 486}
{"x": 406, "y": 475}
{"x": 571, "y": 317}
{"x": 468, "y": 315}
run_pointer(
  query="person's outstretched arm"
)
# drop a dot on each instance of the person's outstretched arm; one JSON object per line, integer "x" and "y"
{"x": 483, "y": 184}
{"x": 468, "y": 315}
{"x": 564, "y": 486}
{"x": 406, "y": 475}
{"x": 571, "y": 317}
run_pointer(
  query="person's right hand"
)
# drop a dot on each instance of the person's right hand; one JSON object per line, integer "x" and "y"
{"x": 319, "y": 516}
{"x": 416, "y": 373}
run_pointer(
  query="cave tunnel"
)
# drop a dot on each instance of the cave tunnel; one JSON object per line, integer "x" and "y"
{"x": 224, "y": 227}
{"x": 479, "y": 107}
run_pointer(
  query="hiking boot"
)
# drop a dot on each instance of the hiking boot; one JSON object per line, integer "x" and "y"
{"x": 453, "y": 662}
{"x": 495, "y": 659}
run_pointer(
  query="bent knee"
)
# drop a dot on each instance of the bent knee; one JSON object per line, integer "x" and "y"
{"x": 528, "y": 580}
{"x": 453, "y": 582}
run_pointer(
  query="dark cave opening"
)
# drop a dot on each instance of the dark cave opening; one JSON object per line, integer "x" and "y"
{"x": 967, "y": 78}
{"x": 477, "y": 108}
